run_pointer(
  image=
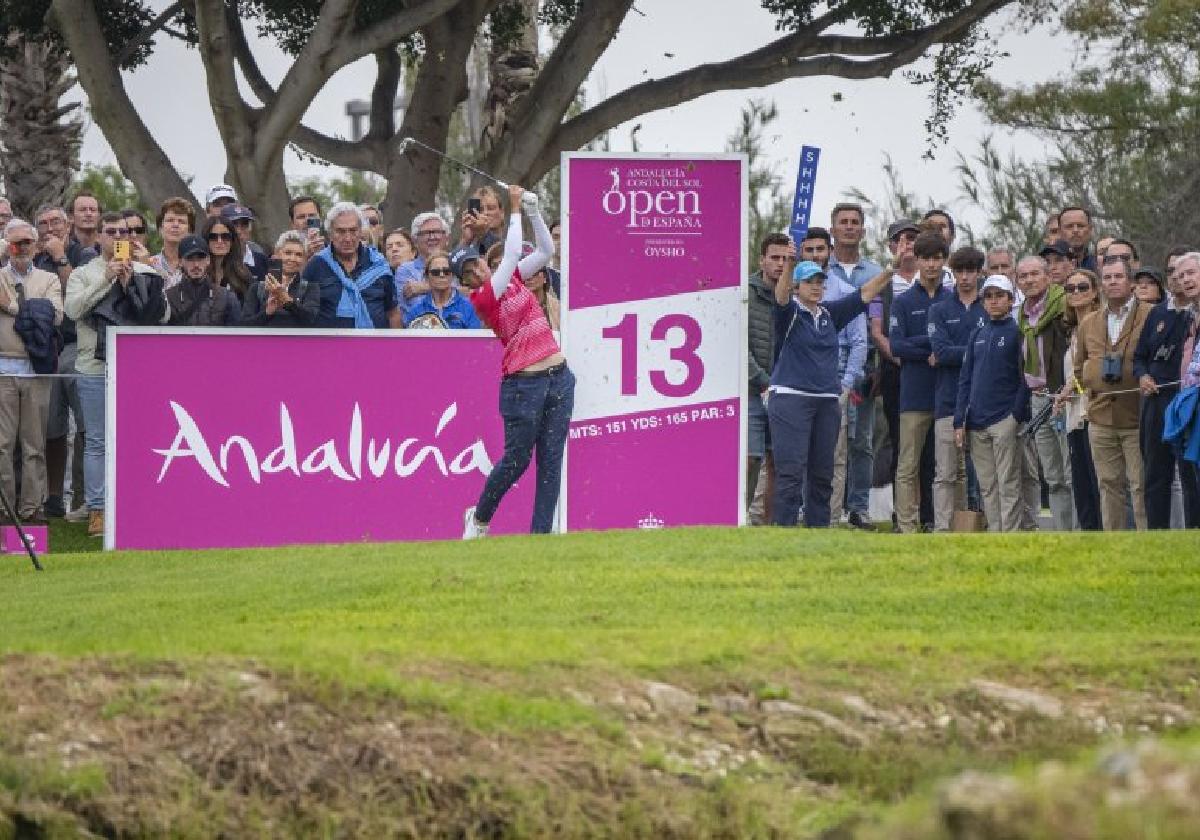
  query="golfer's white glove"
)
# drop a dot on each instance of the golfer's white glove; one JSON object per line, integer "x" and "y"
{"x": 529, "y": 201}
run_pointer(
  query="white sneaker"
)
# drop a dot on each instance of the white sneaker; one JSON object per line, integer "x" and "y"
{"x": 77, "y": 515}
{"x": 472, "y": 530}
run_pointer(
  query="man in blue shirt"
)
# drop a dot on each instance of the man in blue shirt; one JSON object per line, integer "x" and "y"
{"x": 803, "y": 403}
{"x": 357, "y": 288}
{"x": 952, "y": 321}
{"x": 849, "y": 265}
{"x": 909, "y": 337}
{"x": 431, "y": 234}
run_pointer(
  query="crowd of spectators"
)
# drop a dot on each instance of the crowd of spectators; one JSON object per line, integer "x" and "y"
{"x": 82, "y": 268}
{"x": 988, "y": 383}
{"x": 975, "y": 385}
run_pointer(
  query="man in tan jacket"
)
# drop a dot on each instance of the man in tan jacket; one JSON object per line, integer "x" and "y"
{"x": 24, "y": 399}
{"x": 1106, "y": 342}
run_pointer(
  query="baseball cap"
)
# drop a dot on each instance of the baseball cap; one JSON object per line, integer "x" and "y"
{"x": 236, "y": 213}
{"x": 806, "y": 271}
{"x": 998, "y": 281}
{"x": 1153, "y": 273}
{"x": 217, "y": 192}
{"x": 460, "y": 258}
{"x": 1060, "y": 247}
{"x": 192, "y": 245}
{"x": 898, "y": 227}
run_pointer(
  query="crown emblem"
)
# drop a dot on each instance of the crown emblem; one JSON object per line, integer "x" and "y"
{"x": 650, "y": 521}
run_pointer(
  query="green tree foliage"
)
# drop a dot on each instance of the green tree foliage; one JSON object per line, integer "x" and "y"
{"x": 114, "y": 192}
{"x": 1123, "y": 127}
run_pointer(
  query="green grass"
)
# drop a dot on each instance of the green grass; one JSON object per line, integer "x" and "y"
{"x": 705, "y": 602}
{"x": 500, "y": 636}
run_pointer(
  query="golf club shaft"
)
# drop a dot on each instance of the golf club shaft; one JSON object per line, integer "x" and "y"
{"x": 443, "y": 155}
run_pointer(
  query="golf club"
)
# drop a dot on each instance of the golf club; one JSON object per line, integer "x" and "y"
{"x": 25, "y": 538}
{"x": 407, "y": 141}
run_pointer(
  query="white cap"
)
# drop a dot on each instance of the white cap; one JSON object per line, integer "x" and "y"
{"x": 218, "y": 192}
{"x": 998, "y": 281}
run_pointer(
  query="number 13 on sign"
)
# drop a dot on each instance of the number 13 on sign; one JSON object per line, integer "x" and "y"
{"x": 683, "y": 334}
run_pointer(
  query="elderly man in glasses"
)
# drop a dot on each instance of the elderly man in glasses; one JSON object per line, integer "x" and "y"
{"x": 431, "y": 234}
{"x": 24, "y": 400}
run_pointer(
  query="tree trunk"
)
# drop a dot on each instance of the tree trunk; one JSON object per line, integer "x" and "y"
{"x": 441, "y": 83}
{"x": 39, "y": 150}
{"x": 512, "y": 70}
{"x": 140, "y": 157}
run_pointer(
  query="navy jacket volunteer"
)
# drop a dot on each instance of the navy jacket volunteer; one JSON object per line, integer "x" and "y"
{"x": 803, "y": 402}
{"x": 1158, "y": 355}
{"x": 909, "y": 336}
{"x": 950, "y": 328}
{"x": 991, "y": 384}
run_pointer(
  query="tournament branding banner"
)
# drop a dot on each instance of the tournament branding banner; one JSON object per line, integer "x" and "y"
{"x": 228, "y": 438}
{"x": 654, "y": 327}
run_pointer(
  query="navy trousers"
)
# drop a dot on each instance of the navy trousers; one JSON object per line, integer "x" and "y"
{"x": 804, "y": 433}
{"x": 537, "y": 414}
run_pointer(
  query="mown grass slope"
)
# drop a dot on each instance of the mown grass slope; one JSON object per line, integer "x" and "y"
{"x": 771, "y": 680}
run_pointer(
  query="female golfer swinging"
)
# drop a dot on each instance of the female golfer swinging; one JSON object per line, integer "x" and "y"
{"x": 538, "y": 390}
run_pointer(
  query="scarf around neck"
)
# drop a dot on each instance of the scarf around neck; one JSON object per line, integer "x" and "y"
{"x": 1054, "y": 304}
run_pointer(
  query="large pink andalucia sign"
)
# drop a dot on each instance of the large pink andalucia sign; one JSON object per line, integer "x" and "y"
{"x": 654, "y": 296}
{"x": 222, "y": 438}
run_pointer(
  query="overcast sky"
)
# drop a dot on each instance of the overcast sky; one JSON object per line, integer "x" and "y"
{"x": 872, "y": 117}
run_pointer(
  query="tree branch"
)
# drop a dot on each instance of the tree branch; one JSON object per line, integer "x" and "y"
{"x": 574, "y": 56}
{"x": 388, "y": 32}
{"x": 303, "y": 80}
{"x": 792, "y": 56}
{"x": 333, "y": 149}
{"x": 146, "y": 34}
{"x": 383, "y": 94}
{"x": 140, "y": 157}
{"x": 230, "y": 111}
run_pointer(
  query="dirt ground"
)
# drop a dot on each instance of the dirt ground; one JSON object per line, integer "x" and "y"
{"x": 122, "y": 749}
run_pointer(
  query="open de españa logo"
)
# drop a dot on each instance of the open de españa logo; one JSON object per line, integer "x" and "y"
{"x": 662, "y": 198}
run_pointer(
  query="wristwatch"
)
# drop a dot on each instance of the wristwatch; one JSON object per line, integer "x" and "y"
{"x": 62, "y": 262}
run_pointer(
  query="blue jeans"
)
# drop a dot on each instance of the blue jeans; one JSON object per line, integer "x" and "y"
{"x": 804, "y": 433}
{"x": 91, "y": 401}
{"x": 860, "y": 460}
{"x": 537, "y": 413}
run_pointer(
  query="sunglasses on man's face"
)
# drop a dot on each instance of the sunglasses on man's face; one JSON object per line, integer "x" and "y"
{"x": 116, "y": 231}
{"x": 1077, "y": 288}
{"x": 438, "y": 272}
{"x": 224, "y": 237}
{"x": 138, "y": 231}
{"x": 1109, "y": 259}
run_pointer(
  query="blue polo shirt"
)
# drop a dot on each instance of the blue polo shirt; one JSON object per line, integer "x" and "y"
{"x": 855, "y": 275}
{"x": 380, "y": 296}
{"x": 909, "y": 337}
{"x": 457, "y": 314}
{"x": 950, "y": 328}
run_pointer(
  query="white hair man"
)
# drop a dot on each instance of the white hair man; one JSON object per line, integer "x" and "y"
{"x": 358, "y": 290}
{"x": 36, "y": 295}
{"x": 431, "y": 233}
